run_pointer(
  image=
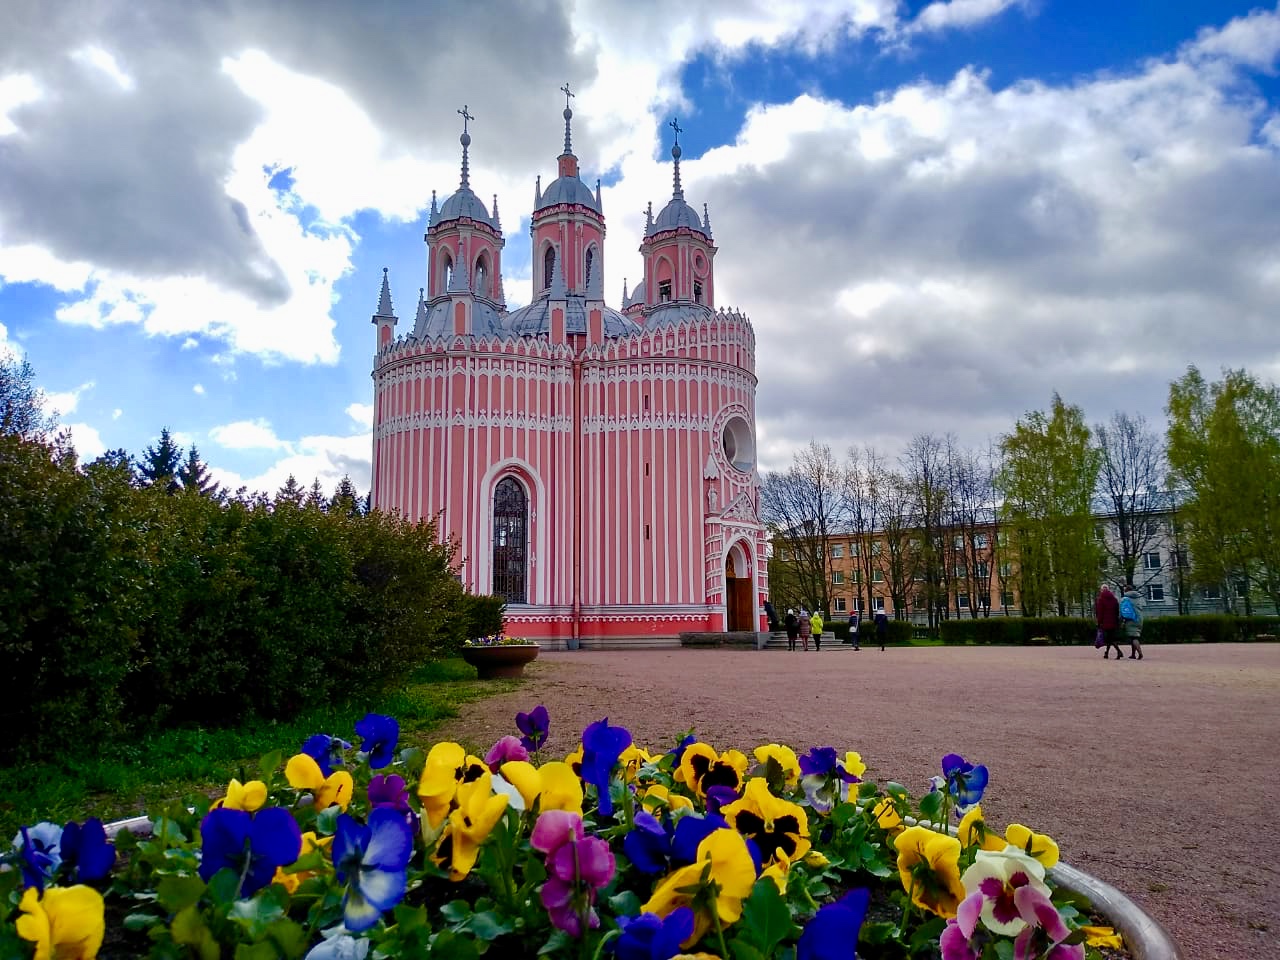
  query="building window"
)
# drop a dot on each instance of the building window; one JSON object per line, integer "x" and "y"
{"x": 914, "y": 544}
{"x": 840, "y": 605}
{"x": 983, "y": 572}
{"x": 961, "y": 571}
{"x": 446, "y": 272}
{"x": 1006, "y": 569}
{"x": 481, "y": 273}
{"x": 591, "y": 261}
{"x": 855, "y": 576}
{"x": 1002, "y": 539}
{"x": 837, "y": 551}
{"x": 548, "y": 267}
{"x": 957, "y": 542}
{"x": 858, "y": 604}
{"x": 879, "y": 604}
{"x": 1155, "y": 592}
{"x": 664, "y": 291}
{"x": 1151, "y": 561}
{"x": 1179, "y": 559}
{"x": 697, "y": 291}
{"x": 962, "y": 601}
{"x": 1099, "y": 532}
{"x": 1006, "y": 598}
{"x": 877, "y": 575}
{"x": 1242, "y": 589}
{"x": 837, "y": 578}
{"x": 854, "y": 551}
{"x": 875, "y": 549}
{"x": 1211, "y": 593}
{"x": 510, "y": 538}
{"x": 980, "y": 541}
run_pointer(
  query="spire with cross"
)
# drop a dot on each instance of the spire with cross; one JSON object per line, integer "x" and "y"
{"x": 677, "y": 190}
{"x": 465, "y": 140}
{"x": 568, "y": 115}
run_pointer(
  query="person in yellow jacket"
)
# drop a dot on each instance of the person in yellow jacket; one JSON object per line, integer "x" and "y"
{"x": 815, "y": 624}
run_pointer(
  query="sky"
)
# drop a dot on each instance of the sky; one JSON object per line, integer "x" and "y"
{"x": 936, "y": 214}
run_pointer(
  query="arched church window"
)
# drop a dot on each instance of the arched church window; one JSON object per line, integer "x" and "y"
{"x": 697, "y": 291}
{"x": 482, "y": 276}
{"x": 446, "y": 272}
{"x": 591, "y": 260}
{"x": 510, "y": 539}
{"x": 664, "y": 291}
{"x": 548, "y": 266}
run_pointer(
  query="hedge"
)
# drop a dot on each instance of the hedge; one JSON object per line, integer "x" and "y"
{"x": 1201, "y": 628}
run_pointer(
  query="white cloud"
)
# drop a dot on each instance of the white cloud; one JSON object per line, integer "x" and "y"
{"x": 116, "y": 413}
{"x": 327, "y": 458}
{"x": 64, "y": 403}
{"x": 104, "y": 63}
{"x": 190, "y": 343}
{"x": 947, "y": 14}
{"x": 198, "y": 389}
{"x": 248, "y": 435}
{"x": 16, "y": 90}
{"x": 361, "y": 413}
{"x": 1253, "y": 40}
{"x": 87, "y": 441}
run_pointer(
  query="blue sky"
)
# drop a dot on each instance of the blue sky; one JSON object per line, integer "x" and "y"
{"x": 954, "y": 209}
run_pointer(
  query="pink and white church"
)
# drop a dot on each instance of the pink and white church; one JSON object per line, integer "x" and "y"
{"x": 596, "y": 466}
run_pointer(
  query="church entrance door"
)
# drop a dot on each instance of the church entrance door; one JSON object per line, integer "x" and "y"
{"x": 737, "y": 598}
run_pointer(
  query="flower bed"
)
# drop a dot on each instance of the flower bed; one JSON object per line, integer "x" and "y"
{"x": 612, "y": 850}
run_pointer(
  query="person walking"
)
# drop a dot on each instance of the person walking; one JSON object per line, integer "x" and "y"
{"x": 1106, "y": 610}
{"x": 882, "y": 628}
{"x": 854, "y": 623}
{"x": 792, "y": 624}
{"x": 1131, "y": 618}
{"x": 805, "y": 627}
{"x": 815, "y": 625}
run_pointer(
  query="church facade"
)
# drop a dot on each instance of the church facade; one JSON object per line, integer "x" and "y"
{"x": 596, "y": 466}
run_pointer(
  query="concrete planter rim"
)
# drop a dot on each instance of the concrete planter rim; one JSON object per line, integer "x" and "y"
{"x": 501, "y": 660}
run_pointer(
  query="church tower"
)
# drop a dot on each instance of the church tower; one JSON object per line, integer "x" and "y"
{"x": 677, "y": 248}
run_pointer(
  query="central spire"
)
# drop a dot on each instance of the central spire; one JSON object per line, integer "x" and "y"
{"x": 677, "y": 192}
{"x": 465, "y": 140}
{"x": 568, "y": 115}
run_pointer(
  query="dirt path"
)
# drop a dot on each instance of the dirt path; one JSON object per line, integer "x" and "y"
{"x": 1160, "y": 776}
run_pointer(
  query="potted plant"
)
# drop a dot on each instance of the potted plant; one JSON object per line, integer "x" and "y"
{"x": 499, "y": 655}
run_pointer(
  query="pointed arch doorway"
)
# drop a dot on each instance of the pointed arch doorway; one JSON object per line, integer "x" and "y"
{"x": 738, "y": 606}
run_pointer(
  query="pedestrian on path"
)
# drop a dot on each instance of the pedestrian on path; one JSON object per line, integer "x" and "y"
{"x": 792, "y": 623}
{"x": 882, "y": 628}
{"x": 1106, "y": 610}
{"x": 815, "y": 624}
{"x": 805, "y": 628}
{"x": 1131, "y": 618}
{"x": 854, "y": 624}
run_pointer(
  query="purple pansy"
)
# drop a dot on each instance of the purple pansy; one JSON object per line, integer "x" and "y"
{"x": 832, "y": 934}
{"x": 269, "y": 838}
{"x": 388, "y": 790}
{"x": 719, "y": 796}
{"x": 381, "y": 735}
{"x": 650, "y": 937}
{"x": 965, "y": 780}
{"x": 371, "y": 861}
{"x": 577, "y": 867}
{"x": 39, "y": 849}
{"x": 326, "y": 751}
{"x": 602, "y": 745}
{"x": 534, "y": 727}
{"x": 1042, "y": 937}
{"x": 507, "y": 748}
{"x": 963, "y": 939}
{"x": 86, "y": 852}
{"x": 648, "y": 844}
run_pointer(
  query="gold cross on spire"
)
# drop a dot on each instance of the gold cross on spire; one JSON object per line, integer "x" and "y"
{"x": 675, "y": 125}
{"x": 465, "y": 115}
{"x": 567, "y": 93}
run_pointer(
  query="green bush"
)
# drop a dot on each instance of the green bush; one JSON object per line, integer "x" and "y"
{"x": 900, "y": 631}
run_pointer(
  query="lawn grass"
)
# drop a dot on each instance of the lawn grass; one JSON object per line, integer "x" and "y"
{"x": 117, "y": 780}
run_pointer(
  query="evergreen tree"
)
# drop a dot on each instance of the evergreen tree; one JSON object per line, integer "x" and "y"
{"x": 291, "y": 492}
{"x": 316, "y": 498}
{"x": 159, "y": 464}
{"x": 346, "y": 500}
{"x": 21, "y": 401}
{"x": 194, "y": 474}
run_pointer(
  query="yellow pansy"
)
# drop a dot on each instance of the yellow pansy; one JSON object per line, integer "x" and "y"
{"x": 574, "y": 760}
{"x": 632, "y": 759}
{"x": 65, "y": 924}
{"x": 702, "y": 768}
{"x": 303, "y": 773}
{"x": 887, "y": 816}
{"x": 1102, "y": 937}
{"x": 1037, "y": 845}
{"x": 776, "y": 825}
{"x": 447, "y": 766}
{"x": 853, "y": 763}
{"x": 478, "y": 811}
{"x": 973, "y": 831}
{"x": 732, "y": 871}
{"x": 816, "y": 859}
{"x": 248, "y": 797}
{"x": 310, "y": 844}
{"x": 784, "y": 756}
{"x": 657, "y": 795}
{"x": 778, "y": 871}
{"x": 929, "y": 867}
{"x": 555, "y": 782}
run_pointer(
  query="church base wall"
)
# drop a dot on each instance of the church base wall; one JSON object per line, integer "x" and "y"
{"x": 611, "y": 627}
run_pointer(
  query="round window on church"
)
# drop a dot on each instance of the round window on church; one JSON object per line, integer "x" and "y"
{"x": 737, "y": 445}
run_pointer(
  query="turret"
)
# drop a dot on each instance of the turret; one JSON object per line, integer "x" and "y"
{"x": 385, "y": 319}
{"x": 678, "y": 250}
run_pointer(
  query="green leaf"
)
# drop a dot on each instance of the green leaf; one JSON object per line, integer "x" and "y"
{"x": 258, "y": 913}
{"x": 269, "y": 764}
{"x": 455, "y": 911}
{"x": 188, "y": 928}
{"x": 1004, "y": 949}
{"x": 896, "y": 790}
{"x": 327, "y": 821}
{"x": 767, "y": 917}
{"x": 224, "y": 885}
{"x": 931, "y": 805}
{"x": 558, "y": 942}
{"x": 925, "y": 939}
{"x": 256, "y": 951}
{"x": 289, "y": 937}
{"x": 487, "y": 925}
{"x": 176, "y": 893}
{"x": 447, "y": 945}
{"x": 140, "y": 921}
{"x": 410, "y": 918}
{"x": 414, "y": 761}
{"x": 867, "y": 789}
{"x": 625, "y": 904}
{"x": 742, "y": 950}
{"x": 880, "y": 932}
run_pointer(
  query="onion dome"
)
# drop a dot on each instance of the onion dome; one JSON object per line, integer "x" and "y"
{"x": 677, "y": 213}
{"x": 463, "y": 203}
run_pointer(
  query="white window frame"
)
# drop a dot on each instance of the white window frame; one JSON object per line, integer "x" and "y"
{"x": 980, "y": 541}
{"x": 962, "y": 601}
{"x": 840, "y": 605}
{"x": 1151, "y": 561}
{"x": 1155, "y": 593}
{"x": 877, "y": 575}
{"x": 837, "y": 578}
{"x": 878, "y": 604}
{"x": 1007, "y": 598}
{"x": 837, "y": 551}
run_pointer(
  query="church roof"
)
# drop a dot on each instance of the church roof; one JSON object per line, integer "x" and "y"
{"x": 568, "y": 190}
{"x": 677, "y": 213}
{"x": 536, "y": 319}
{"x": 436, "y": 320}
{"x": 463, "y": 203}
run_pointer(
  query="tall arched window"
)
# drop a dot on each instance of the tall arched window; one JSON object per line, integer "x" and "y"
{"x": 548, "y": 266}
{"x": 446, "y": 272}
{"x": 482, "y": 276}
{"x": 591, "y": 260}
{"x": 510, "y": 540}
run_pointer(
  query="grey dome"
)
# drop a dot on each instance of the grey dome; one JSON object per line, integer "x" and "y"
{"x": 676, "y": 214}
{"x": 535, "y": 319}
{"x": 464, "y": 203}
{"x": 568, "y": 190}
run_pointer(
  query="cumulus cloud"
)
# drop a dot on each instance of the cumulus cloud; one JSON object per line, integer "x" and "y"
{"x": 322, "y": 457}
{"x": 247, "y": 435}
{"x": 63, "y": 403}
{"x": 87, "y": 441}
{"x": 198, "y": 389}
{"x": 361, "y": 413}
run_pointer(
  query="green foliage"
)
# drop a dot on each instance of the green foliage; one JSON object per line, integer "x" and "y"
{"x": 1066, "y": 631}
{"x": 900, "y": 631}
{"x": 123, "y": 607}
{"x": 485, "y": 615}
{"x": 159, "y": 464}
{"x": 21, "y": 401}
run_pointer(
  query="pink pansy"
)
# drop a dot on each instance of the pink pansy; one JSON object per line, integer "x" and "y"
{"x": 998, "y": 876}
{"x": 962, "y": 940}
{"x": 553, "y": 830}
{"x": 1042, "y": 937}
{"x": 507, "y": 748}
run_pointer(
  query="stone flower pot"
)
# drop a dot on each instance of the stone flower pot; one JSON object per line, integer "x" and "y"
{"x": 500, "y": 660}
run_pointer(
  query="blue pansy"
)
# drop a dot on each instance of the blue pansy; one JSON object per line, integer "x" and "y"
{"x": 650, "y": 937}
{"x": 819, "y": 761}
{"x": 326, "y": 751}
{"x": 965, "y": 780}
{"x": 86, "y": 851}
{"x": 648, "y": 845}
{"x": 39, "y": 850}
{"x": 690, "y": 831}
{"x": 677, "y": 752}
{"x": 602, "y": 745}
{"x": 371, "y": 861}
{"x": 832, "y": 934}
{"x": 269, "y": 838}
{"x": 381, "y": 735}
{"x": 534, "y": 727}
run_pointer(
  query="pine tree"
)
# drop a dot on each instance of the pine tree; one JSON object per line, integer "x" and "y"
{"x": 345, "y": 498}
{"x": 159, "y": 464}
{"x": 316, "y": 498}
{"x": 290, "y": 492}
{"x": 195, "y": 478}
{"x": 21, "y": 401}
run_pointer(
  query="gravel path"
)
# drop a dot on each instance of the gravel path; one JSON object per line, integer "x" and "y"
{"x": 1158, "y": 776}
